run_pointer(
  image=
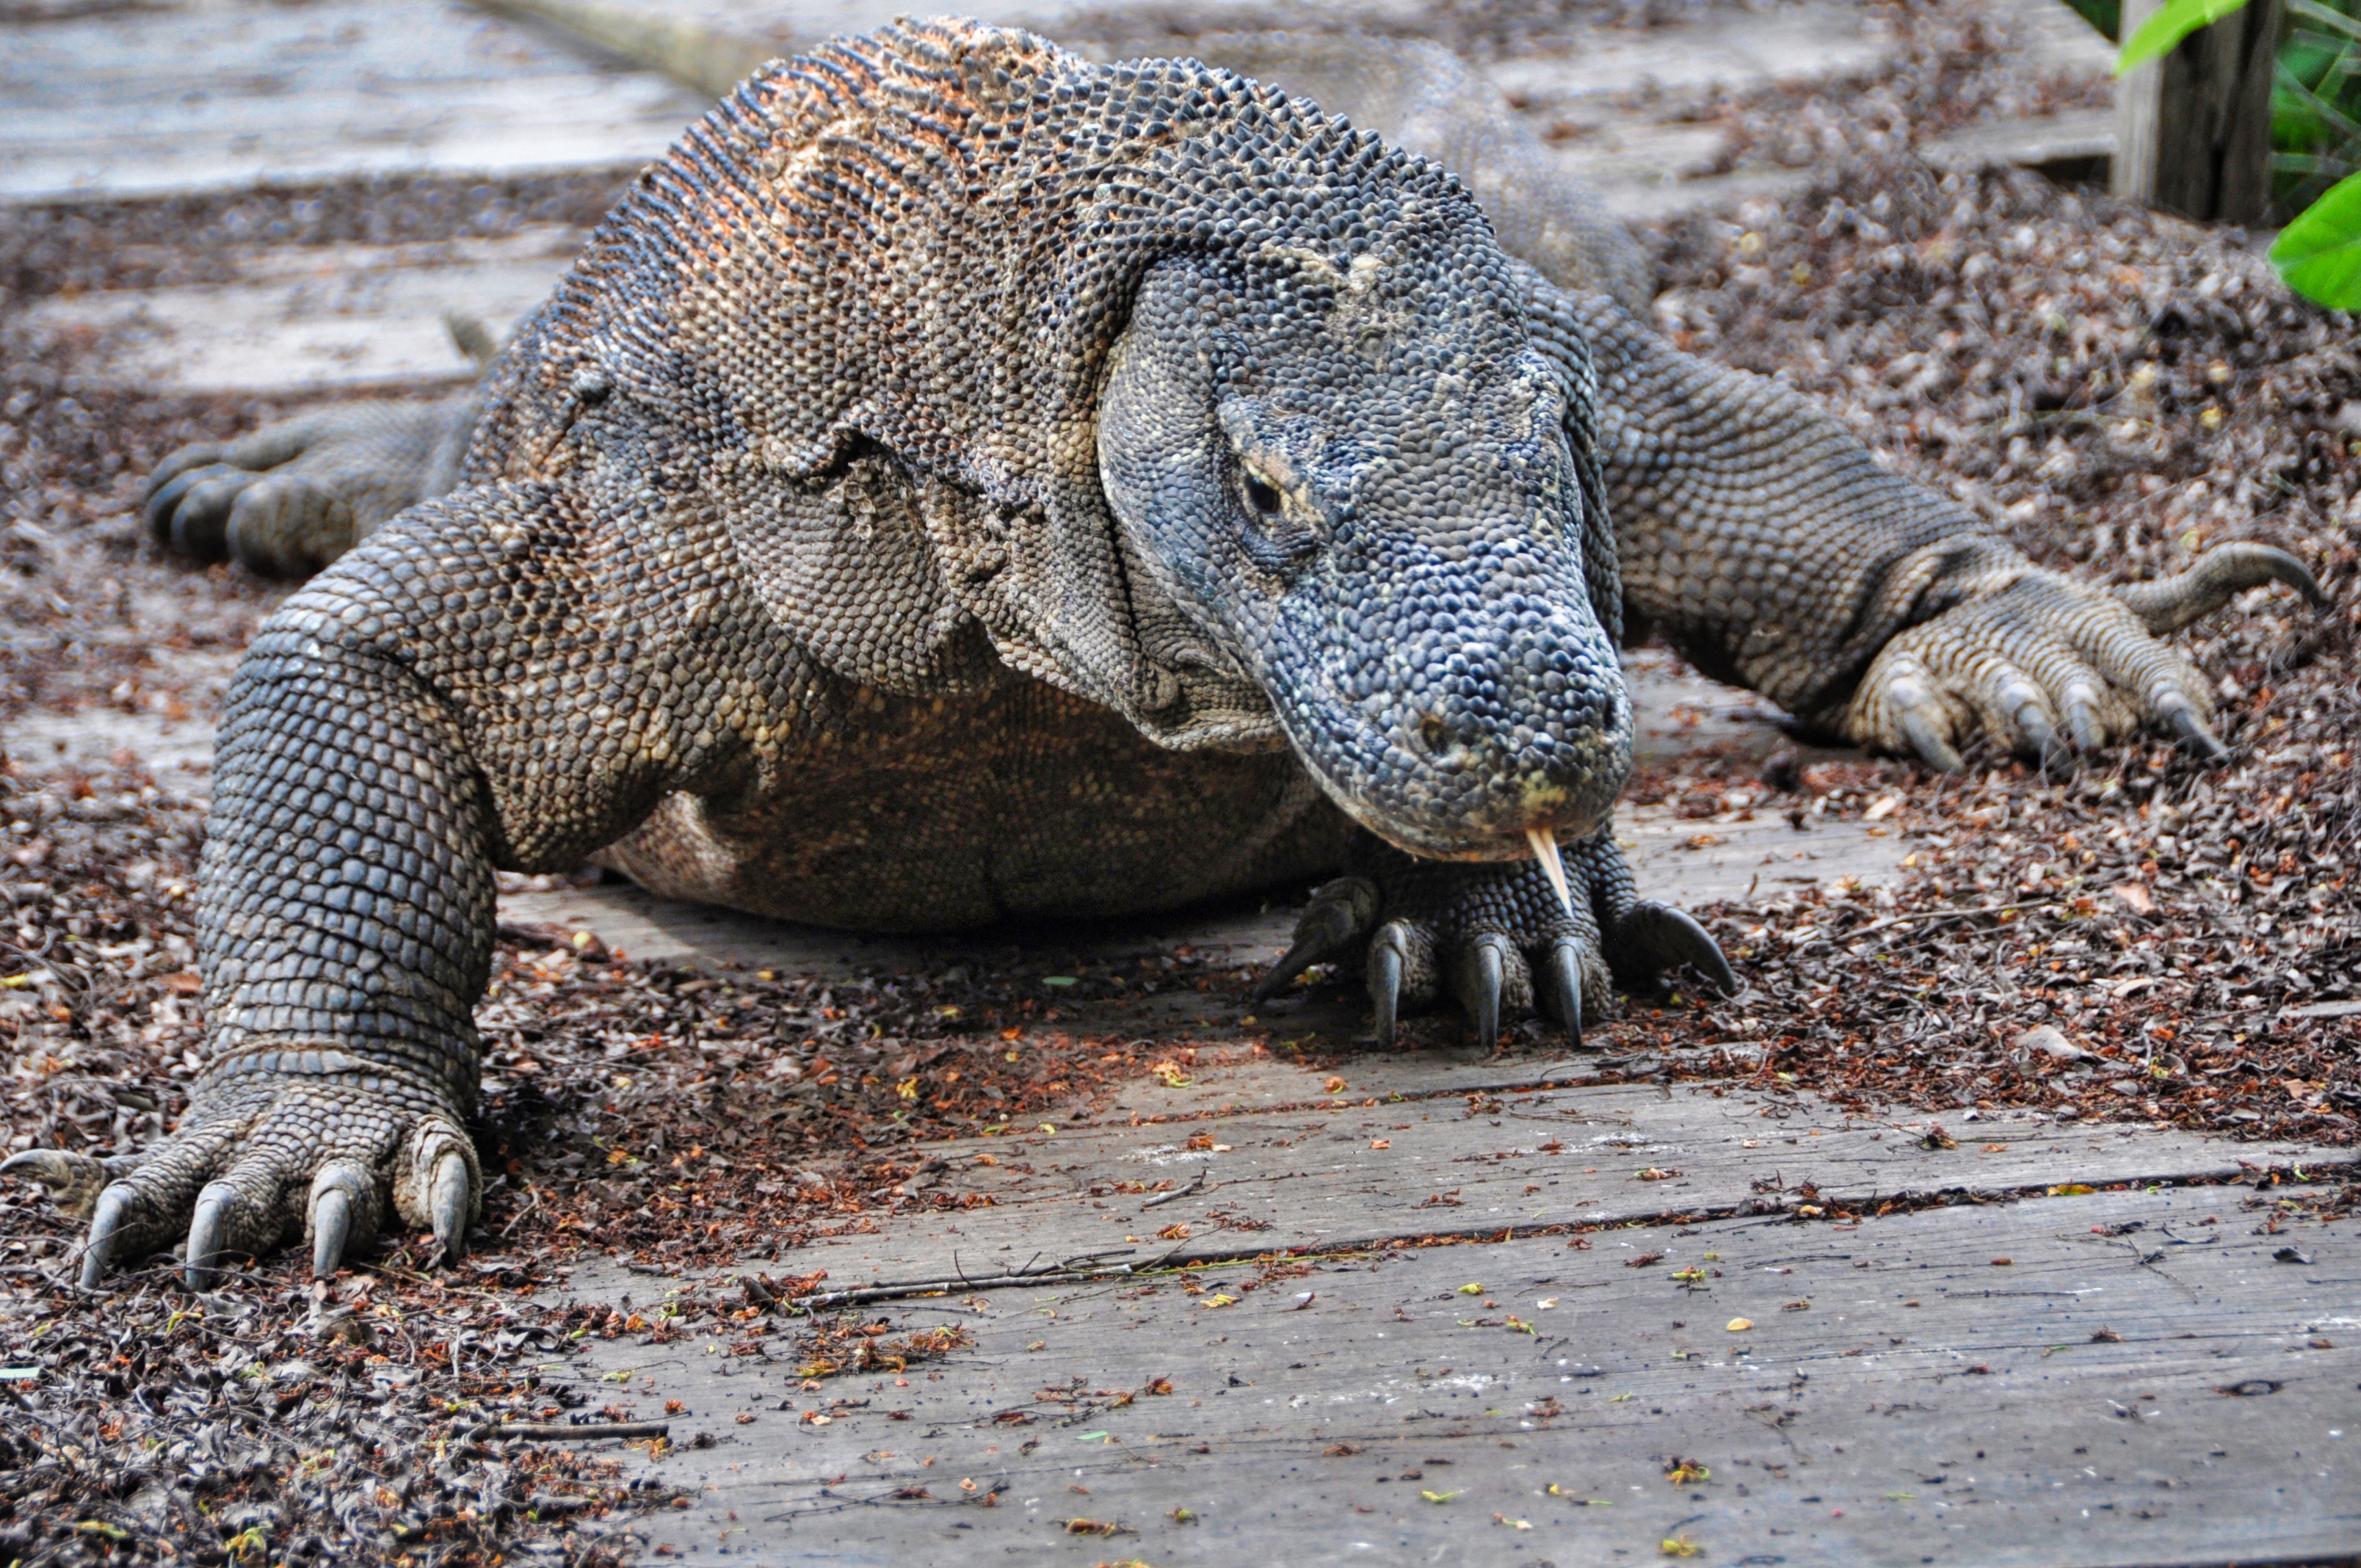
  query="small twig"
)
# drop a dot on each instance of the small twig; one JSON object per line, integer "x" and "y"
{"x": 542, "y": 1503}
{"x": 926, "y": 1286}
{"x": 1178, "y": 1192}
{"x": 1892, "y": 920}
{"x": 560, "y": 1431}
{"x": 1083, "y": 1266}
{"x": 533, "y": 1202}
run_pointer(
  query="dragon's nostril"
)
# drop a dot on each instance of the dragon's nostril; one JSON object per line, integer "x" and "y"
{"x": 1433, "y": 735}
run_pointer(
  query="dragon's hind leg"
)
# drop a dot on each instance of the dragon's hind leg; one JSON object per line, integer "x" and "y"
{"x": 290, "y": 497}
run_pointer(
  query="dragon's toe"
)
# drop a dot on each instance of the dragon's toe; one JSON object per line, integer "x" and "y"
{"x": 2049, "y": 668}
{"x": 290, "y": 497}
{"x": 265, "y": 1155}
{"x": 74, "y": 1180}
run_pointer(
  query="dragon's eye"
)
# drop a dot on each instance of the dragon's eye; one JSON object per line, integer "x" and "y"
{"x": 1273, "y": 535}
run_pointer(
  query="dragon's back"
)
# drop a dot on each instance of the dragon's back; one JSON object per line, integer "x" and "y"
{"x": 918, "y": 249}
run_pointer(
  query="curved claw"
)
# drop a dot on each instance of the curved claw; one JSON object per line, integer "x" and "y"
{"x": 342, "y": 1204}
{"x": 2195, "y": 736}
{"x": 1299, "y": 956}
{"x": 447, "y": 1201}
{"x": 1385, "y": 988}
{"x": 1561, "y": 975}
{"x": 163, "y": 498}
{"x": 196, "y": 455}
{"x": 105, "y": 1226}
{"x": 2031, "y": 728}
{"x": 1311, "y": 945}
{"x": 1933, "y": 750}
{"x": 1338, "y": 912}
{"x": 2220, "y": 575}
{"x": 471, "y": 337}
{"x": 2083, "y": 725}
{"x": 2055, "y": 756}
{"x": 332, "y": 1226}
{"x": 74, "y": 1180}
{"x": 1481, "y": 987}
{"x": 1660, "y": 937}
{"x": 205, "y": 1228}
{"x": 191, "y": 513}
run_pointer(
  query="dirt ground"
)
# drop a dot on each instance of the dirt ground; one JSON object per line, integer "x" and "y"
{"x": 2144, "y": 941}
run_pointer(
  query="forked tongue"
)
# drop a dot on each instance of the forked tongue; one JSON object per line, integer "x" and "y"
{"x": 1544, "y": 843}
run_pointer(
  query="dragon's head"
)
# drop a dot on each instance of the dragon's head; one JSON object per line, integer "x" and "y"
{"x": 1352, "y": 472}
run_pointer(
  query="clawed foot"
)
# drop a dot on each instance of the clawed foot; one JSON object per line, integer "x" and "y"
{"x": 292, "y": 496}
{"x": 2047, "y": 668}
{"x": 1495, "y": 937}
{"x": 322, "y": 1148}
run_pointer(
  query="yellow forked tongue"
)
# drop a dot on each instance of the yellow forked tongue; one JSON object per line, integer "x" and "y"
{"x": 1544, "y": 843}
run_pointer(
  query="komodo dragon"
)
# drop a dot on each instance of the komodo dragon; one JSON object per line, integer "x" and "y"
{"x": 962, "y": 482}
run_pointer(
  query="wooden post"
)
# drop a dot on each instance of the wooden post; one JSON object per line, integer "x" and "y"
{"x": 2193, "y": 129}
{"x": 711, "y": 60}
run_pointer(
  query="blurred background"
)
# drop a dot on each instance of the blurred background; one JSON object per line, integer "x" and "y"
{"x": 247, "y": 124}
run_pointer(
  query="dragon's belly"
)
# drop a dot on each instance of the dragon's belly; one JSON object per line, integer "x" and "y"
{"x": 1021, "y": 803}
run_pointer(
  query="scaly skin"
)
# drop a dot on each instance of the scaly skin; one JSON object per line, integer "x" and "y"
{"x": 1420, "y": 95}
{"x": 961, "y": 481}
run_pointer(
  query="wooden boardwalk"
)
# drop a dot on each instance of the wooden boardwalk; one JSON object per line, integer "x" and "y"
{"x": 1428, "y": 1308}
{"x": 2113, "y": 1379}
{"x": 1466, "y": 1310}
{"x": 156, "y": 99}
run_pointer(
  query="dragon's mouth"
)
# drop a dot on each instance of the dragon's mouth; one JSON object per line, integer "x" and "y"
{"x": 1493, "y": 820}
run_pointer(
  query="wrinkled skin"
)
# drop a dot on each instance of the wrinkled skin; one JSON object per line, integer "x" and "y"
{"x": 890, "y": 530}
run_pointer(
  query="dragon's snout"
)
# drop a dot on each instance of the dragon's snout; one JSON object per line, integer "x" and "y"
{"x": 1455, "y": 734}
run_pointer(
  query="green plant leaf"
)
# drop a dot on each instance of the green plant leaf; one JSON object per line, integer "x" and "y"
{"x": 2314, "y": 11}
{"x": 2319, "y": 255}
{"x": 2160, "y": 33}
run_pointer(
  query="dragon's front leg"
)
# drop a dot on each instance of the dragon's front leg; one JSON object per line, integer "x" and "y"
{"x": 1495, "y": 937}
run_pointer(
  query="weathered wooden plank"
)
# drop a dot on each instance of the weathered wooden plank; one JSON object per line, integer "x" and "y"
{"x": 1722, "y": 49}
{"x": 643, "y": 926}
{"x": 1358, "y": 1172}
{"x": 1927, "y": 1405}
{"x": 1681, "y": 860}
{"x": 1724, "y": 46}
{"x": 315, "y": 317}
{"x": 1764, "y": 855}
{"x": 177, "y": 753}
{"x": 197, "y": 98}
{"x": 2072, "y": 143}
